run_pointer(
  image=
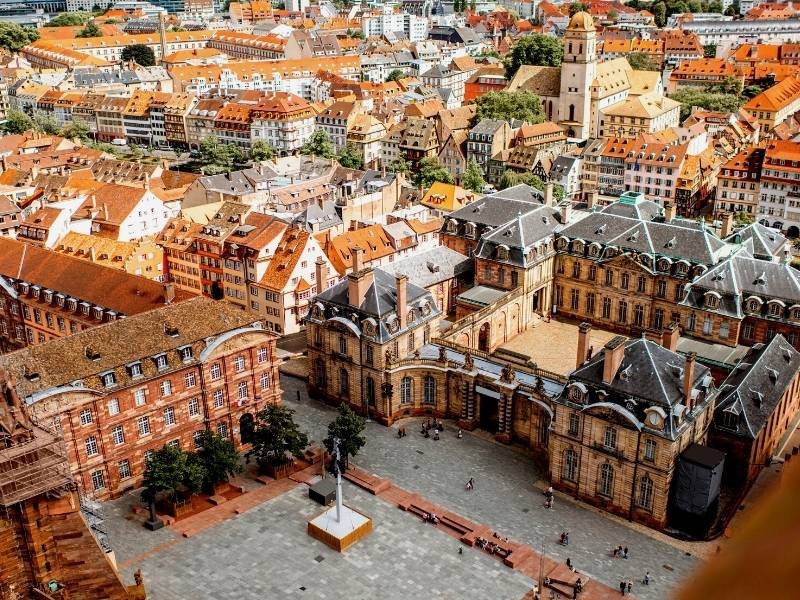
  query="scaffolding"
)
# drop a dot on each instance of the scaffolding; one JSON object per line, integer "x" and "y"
{"x": 32, "y": 467}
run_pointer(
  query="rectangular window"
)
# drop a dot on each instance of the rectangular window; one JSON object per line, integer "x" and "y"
{"x": 124, "y": 468}
{"x": 411, "y": 342}
{"x": 86, "y": 416}
{"x": 161, "y": 362}
{"x": 190, "y": 379}
{"x": 592, "y": 272}
{"x": 113, "y": 407}
{"x": 108, "y": 379}
{"x": 238, "y": 364}
{"x": 609, "y": 277}
{"x": 606, "y": 308}
{"x": 574, "y": 424}
{"x": 143, "y": 424}
{"x": 169, "y": 416}
{"x": 262, "y": 355}
{"x": 118, "y": 435}
{"x": 610, "y": 438}
{"x": 98, "y": 480}
{"x": 574, "y": 301}
{"x": 590, "y": 303}
{"x": 197, "y": 438}
{"x": 241, "y": 391}
{"x": 222, "y": 430}
{"x": 91, "y": 446}
{"x": 265, "y": 381}
{"x": 624, "y": 281}
{"x": 194, "y": 407}
{"x": 369, "y": 358}
{"x": 216, "y": 371}
{"x": 135, "y": 369}
{"x": 649, "y": 450}
{"x": 576, "y": 270}
{"x": 165, "y": 387}
{"x": 641, "y": 285}
{"x": 185, "y": 353}
{"x": 219, "y": 398}
{"x": 140, "y": 397}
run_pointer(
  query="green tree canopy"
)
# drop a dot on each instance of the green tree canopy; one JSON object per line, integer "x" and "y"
{"x": 70, "y": 19}
{"x": 356, "y": 33}
{"x": 733, "y": 9}
{"x": 275, "y": 434}
{"x": 522, "y": 105}
{"x": 141, "y": 54}
{"x": 220, "y": 158}
{"x": 473, "y": 177}
{"x": 45, "y": 123}
{"x": 261, "y": 150}
{"x": 399, "y": 165}
{"x": 751, "y": 91}
{"x": 17, "y": 122}
{"x": 219, "y": 459}
{"x": 577, "y": 7}
{"x": 642, "y": 62}
{"x": 319, "y": 144}
{"x": 659, "y": 10}
{"x": 731, "y": 85}
{"x": 77, "y": 130}
{"x": 613, "y": 15}
{"x": 536, "y": 49}
{"x": 710, "y": 51}
{"x": 742, "y": 219}
{"x": 395, "y": 74}
{"x": 348, "y": 427}
{"x": 91, "y": 30}
{"x": 715, "y": 102}
{"x": 350, "y": 157}
{"x": 430, "y": 171}
{"x": 13, "y": 36}
{"x": 168, "y": 470}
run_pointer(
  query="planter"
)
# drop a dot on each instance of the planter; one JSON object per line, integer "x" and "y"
{"x": 281, "y": 471}
{"x": 175, "y": 508}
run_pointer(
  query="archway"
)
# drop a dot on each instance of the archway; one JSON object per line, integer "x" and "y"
{"x": 793, "y": 231}
{"x": 483, "y": 337}
{"x": 246, "y": 428}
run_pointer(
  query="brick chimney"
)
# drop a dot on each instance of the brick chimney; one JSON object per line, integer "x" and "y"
{"x": 669, "y": 337}
{"x": 169, "y": 293}
{"x": 566, "y": 211}
{"x": 105, "y": 211}
{"x": 322, "y": 274}
{"x": 688, "y": 379}
{"x": 727, "y": 225}
{"x": 402, "y": 298}
{"x": 583, "y": 344}
{"x": 359, "y": 281}
{"x": 669, "y": 211}
{"x": 614, "y": 352}
{"x": 549, "y": 196}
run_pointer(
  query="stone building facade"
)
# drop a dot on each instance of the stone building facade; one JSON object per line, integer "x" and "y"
{"x": 185, "y": 368}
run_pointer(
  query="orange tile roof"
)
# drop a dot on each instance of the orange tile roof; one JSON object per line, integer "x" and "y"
{"x": 705, "y": 66}
{"x": 111, "y": 203}
{"x": 371, "y": 239}
{"x": 287, "y": 255}
{"x": 777, "y": 97}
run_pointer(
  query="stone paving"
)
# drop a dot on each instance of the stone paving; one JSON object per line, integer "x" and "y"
{"x": 266, "y": 553}
{"x": 505, "y": 498}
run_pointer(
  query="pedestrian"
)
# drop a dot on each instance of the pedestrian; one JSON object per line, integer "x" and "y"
{"x": 569, "y": 564}
{"x": 646, "y": 579}
{"x": 625, "y": 552}
{"x": 460, "y": 550}
{"x": 435, "y": 435}
{"x": 622, "y": 587}
{"x": 630, "y": 586}
{"x": 460, "y": 435}
{"x": 615, "y": 552}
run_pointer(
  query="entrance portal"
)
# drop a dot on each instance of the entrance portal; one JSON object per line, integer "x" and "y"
{"x": 490, "y": 414}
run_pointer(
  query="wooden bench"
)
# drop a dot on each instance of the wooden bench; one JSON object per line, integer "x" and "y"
{"x": 453, "y": 524}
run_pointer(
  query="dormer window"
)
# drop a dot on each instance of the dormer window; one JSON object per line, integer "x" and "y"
{"x": 161, "y": 361}
{"x": 185, "y": 353}
{"x": 469, "y": 230}
{"x": 775, "y": 308}
{"x": 753, "y": 305}
{"x": 135, "y": 369}
{"x": 85, "y": 306}
{"x": 60, "y": 299}
{"x": 502, "y": 253}
{"x": 72, "y": 304}
{"x": 730, "y": 419}
{"x": 108, "y": 379}
{"x": 711, "y": 300}
{"x": 98, "y": 313}
{"x": 48, "y": 296}
{"x": 681, "y": 268}
{"x": 452, "y": 226}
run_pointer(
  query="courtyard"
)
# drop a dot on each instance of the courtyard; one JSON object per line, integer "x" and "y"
{"x": 266, "y": 553}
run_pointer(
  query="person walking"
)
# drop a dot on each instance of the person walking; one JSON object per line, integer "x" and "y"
{"x": 646, "y": 580}
{"x": 630, "y": 586}
{"x": 625, "y": 552}
{"x": 622, "y": 587}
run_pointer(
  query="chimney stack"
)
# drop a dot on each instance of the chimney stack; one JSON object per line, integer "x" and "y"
{"x": 358, "y": 259}
{"x": 566, "y": 211}
{"x": 583, "y": 344}
{"x": 105, "y": 211}
{"x": 727, "y": 225}
{"x": 669, "y": 211}
{"x": 169, "y": 293}
{"x": 402, "y": 296}
{"x": 322, "y": 274}
{"x": 549, "y": 196}
{"x": 92, "y": 254}
{"x": 359, "y": 281}
{"x": 669, "y": 337}
{"x": 614, "y": 352}
{"x": 593, "y": 199}
{"x": 688, "y": 380}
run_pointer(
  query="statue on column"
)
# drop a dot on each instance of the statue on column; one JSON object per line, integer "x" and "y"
{"x": 507, "y": 375}
{"x": 442, "y": 354}
{"x": 468, "y": 363}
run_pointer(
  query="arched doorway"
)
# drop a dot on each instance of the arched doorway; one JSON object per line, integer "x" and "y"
{"x": 483, "y": 337}
{"x": 793, "y": 232}
{"x": 246, "y": 428}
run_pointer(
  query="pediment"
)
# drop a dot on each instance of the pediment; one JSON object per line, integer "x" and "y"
{"x": 631, "y": 262}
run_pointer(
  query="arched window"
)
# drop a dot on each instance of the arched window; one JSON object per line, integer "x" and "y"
{"x": 405, "y": 390}
{"x": 319, "y": 369}
{"x": 430, "y": 390}
{"x": 570, "y": 470}
{"x": 344, "y": 383}
{"x": 606, "y": 480}
{"x": 370, "y": 391}
{"x": 574, "y": 423}
{"x": 645, "y": 499}
{"x": 342, "y": 344}
{"x": 571, "y": 112}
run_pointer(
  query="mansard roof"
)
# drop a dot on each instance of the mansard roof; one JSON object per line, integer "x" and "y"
{"x": 501, "y": 207}
{"x": 520, "y": 234}
{"x": 762, "y": 242}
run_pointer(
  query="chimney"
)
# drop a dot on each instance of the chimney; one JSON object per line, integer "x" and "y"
{"x": 583, "y": 344}
{"x": 241, "y": 218}
{"x": 402, "y": 296}
{"x": 549, "y": 197}
{"x": 322, "y": 274}
{"x": 94, "y": 201}
{"x": 593, "y": 199}
{"x": 169, "y": 293}
{"x": 92, "y": 254}
{"x": 614, "y": 352}
{"x": 358, "y": 284}
{"x": 669, "y": 211}
{"x": 669, "y": 337}
{"x": 358, "y": 259}
{"x": 147, "y": 181}
{"x": 727, "y": 225}
{"x": 566, "y": 211}
{"x": 105, "y": 211}
{"x": 688, "y": 379}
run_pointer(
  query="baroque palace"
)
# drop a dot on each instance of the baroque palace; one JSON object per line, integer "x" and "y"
{"x": 617, "y": 430}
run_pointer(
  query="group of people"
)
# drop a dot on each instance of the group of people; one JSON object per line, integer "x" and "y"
{"x": 437, "y": 426}
{"x": 430, "y": 518}
{"x": 564, "y": 538}
{"x": 484, "y": 544}
{"x": 625, "y": 586}
{"x": 620, "y": 552}
{"x": 548, "y": 497}
{"x": 401, "y": 432}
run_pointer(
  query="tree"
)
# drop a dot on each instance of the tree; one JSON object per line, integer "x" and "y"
{"x": 395, "y": 74}
{"x": 17, "y": 122}
{"x": 347, "y": 427}
{"x": 522, "y": 105}
{"x": 577, "y": 7}
{"x": 261, "y": 150}
{"x": 170, "y": 470}
{"x": 13, "y": 36}
{"x": 733, "y": 9}
{"x": 77, "y": 130}
{"x": 536, "y": 49}
{"x": 356, "y": 34}
{"x": 731, "y": 85}
{"x": 274, "y": 435}
{"x": 715, "y": 6}
{"x": 218, "y": 458}
{"x": 430, "y": 171}
{"x": 220, "y": 158}
{"x": 714, "y": 102}
{"x": 91, "y": 30}
{"x": 399, "y": 165}
{"x": 751, "y": 91}
{"x": 742, "y": 219}
{"x": 70, "y": 19}
{"x": 140, "y": 53}
{"x": 45, "y": 123}
{"x": 642, "y": 62}
{"x": 659, "y": 11}
{"x": 473, "y": 177}
{"x": 350, "y": 157}
{"x": 613, "y": 15}
{"x": 710, "y": 51}
{"x": 319, "y": 144}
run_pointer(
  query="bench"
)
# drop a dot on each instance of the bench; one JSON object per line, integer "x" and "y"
{"x": 453, "y": 524}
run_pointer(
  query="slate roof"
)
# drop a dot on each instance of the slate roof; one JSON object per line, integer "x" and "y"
{"x": 501, "y": 207}
{"x": 562, "y": 165}
{"x": 431, "y": 267}
{"x": 521, "y": 234}
{"x": 323, "y": 217}
{"x": 762, "y": 242}
{"x": 755, "y": 387}
{"x": 646, "y": 210}
{"x": 379, "y": 304}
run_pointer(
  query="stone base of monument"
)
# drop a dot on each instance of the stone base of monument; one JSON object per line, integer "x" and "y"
{"x": 339, "y": 535}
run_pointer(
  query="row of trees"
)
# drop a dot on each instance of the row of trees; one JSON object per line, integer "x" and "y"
{"x": 320, "y": 144}
{"x": 662, "y": 9}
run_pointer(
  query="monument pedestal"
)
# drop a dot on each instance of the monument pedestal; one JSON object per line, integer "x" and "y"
{"x": 341, "y": 534}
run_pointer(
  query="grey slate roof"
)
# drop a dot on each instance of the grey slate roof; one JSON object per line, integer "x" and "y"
{"x": 562, "y": 165}
{"x": 487, "y": 127}
{"x": 646, "y": 210}
{"x": 755, "y": 387}
{"x": 322, "y": 217}
{"x": 520, "y": 234}
{"x": 762, "y": 242}
{"x": 501, "y": 207}
{"x": 482, "y": 295}
{"x": 431, "y": 267}
{"x": 379, "y": 304}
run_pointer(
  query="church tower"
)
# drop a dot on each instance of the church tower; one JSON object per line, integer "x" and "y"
{"x": 578, "y": 71}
